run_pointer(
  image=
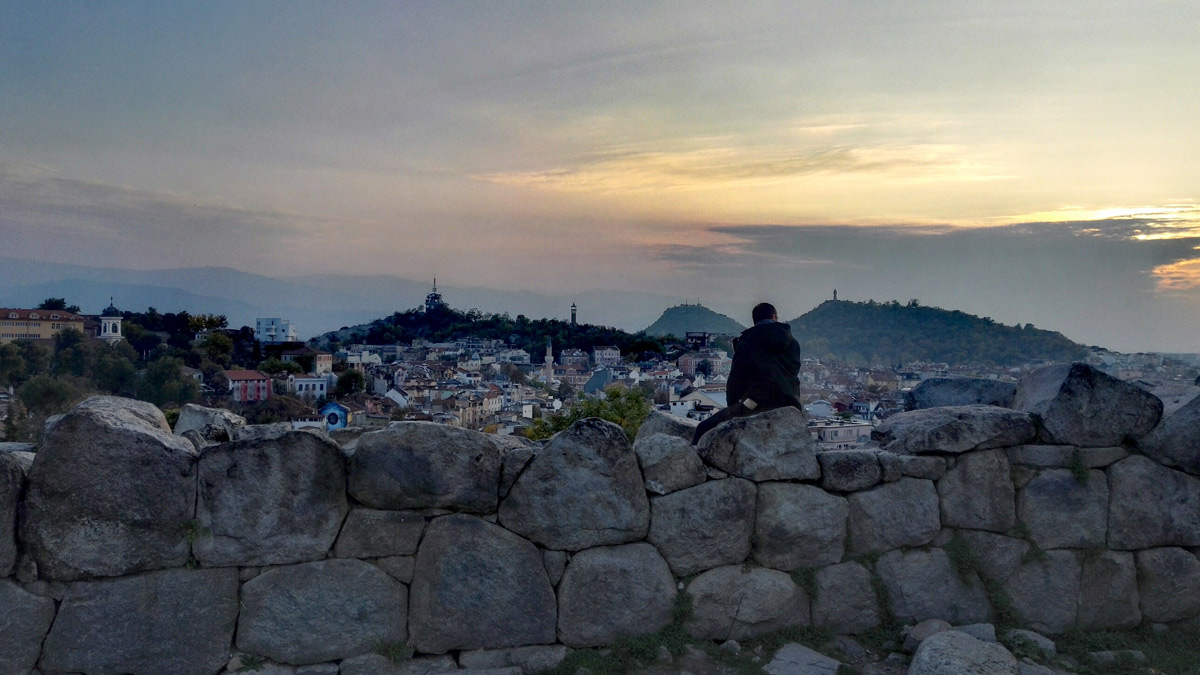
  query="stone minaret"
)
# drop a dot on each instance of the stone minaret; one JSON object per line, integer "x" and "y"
{"x": 549, "y": 363}
{"x": 573, "y": 314}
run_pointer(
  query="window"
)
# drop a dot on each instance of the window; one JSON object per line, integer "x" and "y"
{"x": 53, "y": 316}
{"x": 33, "y": 315}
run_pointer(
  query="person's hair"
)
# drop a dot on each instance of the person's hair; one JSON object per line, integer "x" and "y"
{"x": 762, "y": 311}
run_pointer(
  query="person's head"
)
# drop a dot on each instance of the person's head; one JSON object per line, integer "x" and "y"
{"x": 763, "y": 311}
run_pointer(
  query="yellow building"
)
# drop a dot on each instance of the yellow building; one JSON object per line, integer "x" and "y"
{"x": 36, "y": 324}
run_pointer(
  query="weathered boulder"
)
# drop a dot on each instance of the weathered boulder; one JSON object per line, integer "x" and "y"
{"x": 478, "y": 586}
{"x": 1064, "y": 456}
{"x": 773, "y": 445}
{"x": 705, "y": 526}
{"x": 659, "y": 422}
{"x": 555, "y": 563}
{"x": 584, "y": 489}
{"x": 1150, "y": 505}
{"x": 956, "y": 653}
{"x": 796, "y": 659}
{"x": 940, "y": 392}
{"x": 735, "y": 603}
{"x": 419, "y": 465}
{"x": 914, "y": 636}
{"x": 214, "y": 424}
{"x": 321, "y": 611}
{"x": 978, "y": 493}
{"x": 613, "y": 592}
{"x": 515, "y": 455}
{"x": 1032, "y": 641}
{"x": 923, "y": 584}
{"x": 1168, "y": 579}
{"x": 954, "y": 429}
{"x": 1108, "y": 592}
{"x": 914, "y": 466}
{"x": 798, "y": 526}
{"x": 12, "y": 486}
{"x": 1175, "y": 441}
{"x": 529, "y": 659}
{"x": 1079, "y": 405}
{"x": 845, "y": 601}
{"x": 849, "y": 470}
{"x": 997, "y": 555}
{"x": 370, "y": 533}
{"x": 167, "y": 621}
{"x": 668, "y": 463}
{"x": 23, "y": 626}
{"x": 888, "y": 516}
{"x": 261, "y": 432}
{"x": 111, "y": 492}
{"x": 400, "y": 567}
{"x": 1060, "y": 511}
{"x": 1045, "y": 591}
{"x": 269, "y": 501}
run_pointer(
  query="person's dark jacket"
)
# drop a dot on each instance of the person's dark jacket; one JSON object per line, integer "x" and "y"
{"x": 766, "y": 364}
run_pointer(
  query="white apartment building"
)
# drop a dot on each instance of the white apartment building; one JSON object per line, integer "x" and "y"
{"x": 273, "y": 330}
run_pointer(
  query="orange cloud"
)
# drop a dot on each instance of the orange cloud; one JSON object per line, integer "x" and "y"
{"x": 1181, "y": 275}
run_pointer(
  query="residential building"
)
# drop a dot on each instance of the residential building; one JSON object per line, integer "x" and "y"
{"x": 247, "y": 386}
{"x": 37, "y": 324}
{"x": 315, "y": 361}
{"x": 573, "y": 357}
{"x": 308, "y": 387}
{"x": 606, "y": 355}
{"x": 838, "y": 434}
{"x": 274, "y": 330}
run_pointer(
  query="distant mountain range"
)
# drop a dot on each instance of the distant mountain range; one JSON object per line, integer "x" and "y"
{"x": 682, "y": 319}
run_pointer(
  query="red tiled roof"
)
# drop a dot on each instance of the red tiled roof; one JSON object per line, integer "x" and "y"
{"x": 243, "y": 375}
{"x": 42, "y": 314}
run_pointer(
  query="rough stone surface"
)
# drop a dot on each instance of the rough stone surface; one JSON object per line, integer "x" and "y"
{"x": 584, "y": 489}
{"x": 370, "y": 533}
{"x": 478, "y": 586}
{"x": 514, "y": 457}
{"x": 954, "y": 429}
{"x": 1080, "y": 405}
{"x": 1168, "y": 579}
{"x": 1062, "y": 512}
{"x": 845, "y": 601}
{"x": 915, "y": 466}
{"x": 111, "y": 492}
{"x": 12, "y": 487}
{"x": 167, "y": 621}
{"x": 979, "y": 631}
{"x": 261, "y": 432}
{"x": 321, "y": 611}
{"x": 555, "y": 563}
{"x": 659, "y": 422}
{"x": 913, "y": 637}
{"x": 849, "y": 470}
{"x": 774, "y": 445}
{"x": 417, "y": 465}
{"x": 939, "y": 392}
{"x": 318, "y": 669}
{"x": 1065, "y": 455}
{"x": 955, "y": 653}
{"x": 23, "y": 624}
{"x": 1151, "y": 505}
{"x": 668, "y": 463}
{"x": 1045, "y": 591}
{"x": 269, "y": 502}
{"x": 704, "y": 526}
{"x": 1108, "y": 592}
{"x": 798, "y": 526}
{"x": 612, "y": 592}
{"x": 528, "y": 659}
{"x": 977, "y": 493}
{"x": 923, "y": 584}
{"x": 13, "y": 446}
{"x": 1175, "y": 441}
{"x": 214, "y": 424}
{"x": 400, "y": 567}
{"x": 376, "y": 664}
{"x": 904, "y": 513}
{"x": 796, "y": 659}
{"x": 997, "y": 555}
{"x": 736, "y": 603}
{"x": 1034, "y": 640}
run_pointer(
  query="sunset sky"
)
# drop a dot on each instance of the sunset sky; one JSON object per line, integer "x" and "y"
{"x": 1028, "y": 161}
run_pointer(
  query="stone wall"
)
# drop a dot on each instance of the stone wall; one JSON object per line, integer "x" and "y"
{"x": 126, "y": 548}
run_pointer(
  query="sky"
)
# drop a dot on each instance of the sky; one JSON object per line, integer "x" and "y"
{"x": 1035, "y": 162}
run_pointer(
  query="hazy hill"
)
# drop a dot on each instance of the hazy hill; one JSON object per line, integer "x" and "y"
{"x": 680, "y": 319}
{"x": 865, "y": 333}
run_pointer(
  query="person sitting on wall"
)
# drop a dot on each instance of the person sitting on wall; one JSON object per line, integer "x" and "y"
{"x": 765, "y": 373}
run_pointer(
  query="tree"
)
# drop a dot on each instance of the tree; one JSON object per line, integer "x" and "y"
{"x": 11, "y": 432}
{"x": 58, "y": 303}
{"x": 273, "y": 366}
{"x": 624, "y": 407}
{"x": 164, "y": 384}
{"x": 512, "y": 372}
{"x": 203, "y": 323}
{"x": 350, "y": 382}
{"x": 12, "y": 365}
{"x": 47, "y": 396}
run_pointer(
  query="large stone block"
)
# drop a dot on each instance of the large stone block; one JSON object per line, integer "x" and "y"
{"x": 704, "y": 526}
{"x": 849, "y": 470}
{"x": 1062, "y": 512}
{"x": 528, "y": 659}
{"x": 1045, "y": 591}
{"x": 774, "y": 445}
{"x": 1168, "y": 579}
{"x": 953, "y": 652}
{"x": 923, "y": 584}
{"x": 914, "y": 466}
{"x": 1079, "y": 405}
{"x": 977, "y": 493}
{"x": 370, "y": 533}
{"x": 845, "y": 601}
{"x": 584, "y": 489}
{"x": 799, "y": 526}
{"x": 736, "y": 603}
{"x": 903, "y": 513}
{"x": 939, "y": 392}
{"x": 1108, "y": 592}
{"x": 12, "y": 488}
{"x": 997, "y": 555}
{"x": 321, "y": 611}
{"x": 668, "y": 463}
{"x": 23, "y": 625}
{"x": 270, "y": 501}
{"x": 111, "y": 492}
{"x": 613, "y": 592}
{"x": 1175, "y": 442}
{"x": 954, "y": 429}
{"x": 478, "y": 586}
{"x": 214, "y": 424}
{"x": 1150, "y": 505}
{"x": 420, "y": 465}
{"x": 659, "y": 422}
{"x": 167, "y": 621}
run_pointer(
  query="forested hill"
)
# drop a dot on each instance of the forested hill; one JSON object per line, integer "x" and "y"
{"x": 865, "y": 333}
{"x": 445, "y": 324}
{"x": 680, "y": 319}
